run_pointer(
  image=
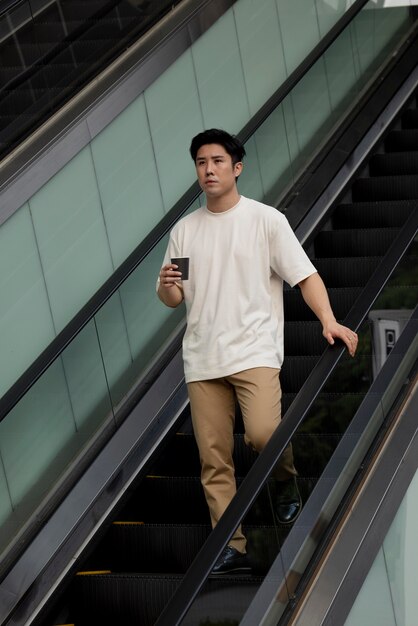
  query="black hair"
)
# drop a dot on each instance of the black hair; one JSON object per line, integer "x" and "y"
{"x": 230, "y": 143}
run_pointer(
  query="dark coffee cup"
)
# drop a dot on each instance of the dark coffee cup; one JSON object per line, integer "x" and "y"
{"x": 183, "y": 266}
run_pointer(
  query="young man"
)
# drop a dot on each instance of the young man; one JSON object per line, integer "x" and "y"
{"x": 240, "y": 252}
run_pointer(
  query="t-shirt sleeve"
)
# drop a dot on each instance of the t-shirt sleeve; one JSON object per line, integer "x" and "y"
{"x": 287, "y": 257}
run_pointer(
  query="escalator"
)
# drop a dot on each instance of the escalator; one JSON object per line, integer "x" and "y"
{"x": 48, "y": 55}
{"x": 161, "y": 526}
{"x": 131, "y": 575}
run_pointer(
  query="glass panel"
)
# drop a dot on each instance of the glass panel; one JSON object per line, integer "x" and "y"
{"x": 133, "y": 325}
{"x": 46, "y": 430}
{"x": 219, "y": 76}
{"x": 299, "y": 28}
{"x": 127, "y": 179}
{"x": 261, "y": 49}
{"x": 71, "y": 236}
{"x": 388, "y": 595}
{"x": 250, "y": 181}
{"x": 174, "y": 114}
{"x": 23, "y": 299}
{"x": 329, "y": 12}
{"x": 274, "y": 156}
{"x": 343, "y": 88}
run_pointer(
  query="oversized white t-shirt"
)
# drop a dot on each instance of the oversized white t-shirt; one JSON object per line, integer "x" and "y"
{"x": 234, "y": 294}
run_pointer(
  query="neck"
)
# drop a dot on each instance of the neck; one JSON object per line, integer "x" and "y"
{"x": 224, "y": 203}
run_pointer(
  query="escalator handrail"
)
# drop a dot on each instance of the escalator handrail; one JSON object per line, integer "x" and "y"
{"x": 32, "y": 374}
{"x": 262, "y": 468}
{"x": 8, "y": 5}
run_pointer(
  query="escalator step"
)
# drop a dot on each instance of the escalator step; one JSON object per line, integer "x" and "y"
{"x": 19, "y": 55}
{"x": 403, "y": 187}
{"x": 342, "y": 299}
{"x": 132, "y": 599}
{"x": 174, "y": 462}
{"x": 168, "y": 499}
{"x": 302, "y": 338}
{"x": 185, "y": 445}
{"x": 383, "y": 214}
{"x": 410, "y": 118}
{"x": 79, "y": 10}
{"x": 9, "y": 124}
{"x": 18, "y": 101}
{"x": 353, "y": 271}
{"x": 354, "y": 242}
{"x": 330, "y": 413}
{"x": 109, "y": 29}
{"x": 151, "y": 547}
{"x": 8, "y": 73}
{"x": 402, "y": 140}
{"x": 295, "y": 371}
{"x": 180, "y": 500}
{"x": 394, "y": 163}
{"x": 154, "y": 548}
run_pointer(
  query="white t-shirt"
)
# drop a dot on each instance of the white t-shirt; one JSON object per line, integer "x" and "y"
{"x": 234, "y": 294}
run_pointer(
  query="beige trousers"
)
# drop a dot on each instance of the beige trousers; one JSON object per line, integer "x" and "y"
{"x": 212, "y": 404}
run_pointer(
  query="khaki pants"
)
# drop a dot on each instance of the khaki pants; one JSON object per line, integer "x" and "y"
{"x": 212, "y": 404}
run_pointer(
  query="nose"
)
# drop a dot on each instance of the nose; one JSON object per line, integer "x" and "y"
{"x": 209, "y": 168}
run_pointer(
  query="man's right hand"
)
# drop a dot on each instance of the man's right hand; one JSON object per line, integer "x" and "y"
{"x": 169, "y": 276}
{"x": 170, "y": 291}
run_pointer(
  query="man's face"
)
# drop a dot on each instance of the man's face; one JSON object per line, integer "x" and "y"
{"x": 215, "y": 172}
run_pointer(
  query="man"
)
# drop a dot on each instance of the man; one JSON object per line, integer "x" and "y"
{"x": 240, "y": 252}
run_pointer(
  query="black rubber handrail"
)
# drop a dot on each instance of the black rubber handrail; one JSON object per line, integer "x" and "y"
{"x": 262, "y": 468}
{"x": 7, "y": 5}
{"x": 99, "y": 299}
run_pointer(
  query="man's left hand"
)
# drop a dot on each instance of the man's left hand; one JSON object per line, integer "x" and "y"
{"x": 333, "y": 330}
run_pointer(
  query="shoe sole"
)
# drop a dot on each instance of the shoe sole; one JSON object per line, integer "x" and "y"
{"x": 236, "y": 570}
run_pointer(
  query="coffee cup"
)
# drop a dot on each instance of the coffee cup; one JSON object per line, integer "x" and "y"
{"x": 182, "y": 266}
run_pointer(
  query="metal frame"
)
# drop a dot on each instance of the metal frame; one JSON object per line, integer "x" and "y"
{"x": 53, "y": 554}
{"x": 296, "y": 552}
{"x": 24, "y": 171}
{"x": 35, "y": 581}
{"x": 347, "y": 563}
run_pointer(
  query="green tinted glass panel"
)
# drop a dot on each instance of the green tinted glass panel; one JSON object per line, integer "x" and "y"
{"x": 299, "y": 29}
{"x": 26, "y": 325}
{"x": 71, "y": 236}
{"x": 127, "y": 179}
{"x": 388, "y": 595}
{"x": 261, "y": 49}
{"x": 220, "y": 76}
{"x": 48, "y": 428}
{"x": 175, "y": 116}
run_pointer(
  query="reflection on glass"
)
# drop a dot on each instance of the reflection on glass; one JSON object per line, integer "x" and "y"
{"x": 388, "y": 595}
{"x": 46, "y": 430}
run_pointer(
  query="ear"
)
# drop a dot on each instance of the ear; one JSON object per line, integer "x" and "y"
{"x": 238, "y": 167}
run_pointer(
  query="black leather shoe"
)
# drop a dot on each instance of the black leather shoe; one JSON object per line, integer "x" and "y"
{"x": 288, "y": 501}
{"x": 231, "y": 560}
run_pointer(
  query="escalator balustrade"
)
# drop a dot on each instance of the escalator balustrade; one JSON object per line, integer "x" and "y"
{"x": 132, "y": 573}
{"x": 45, "y": 61}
